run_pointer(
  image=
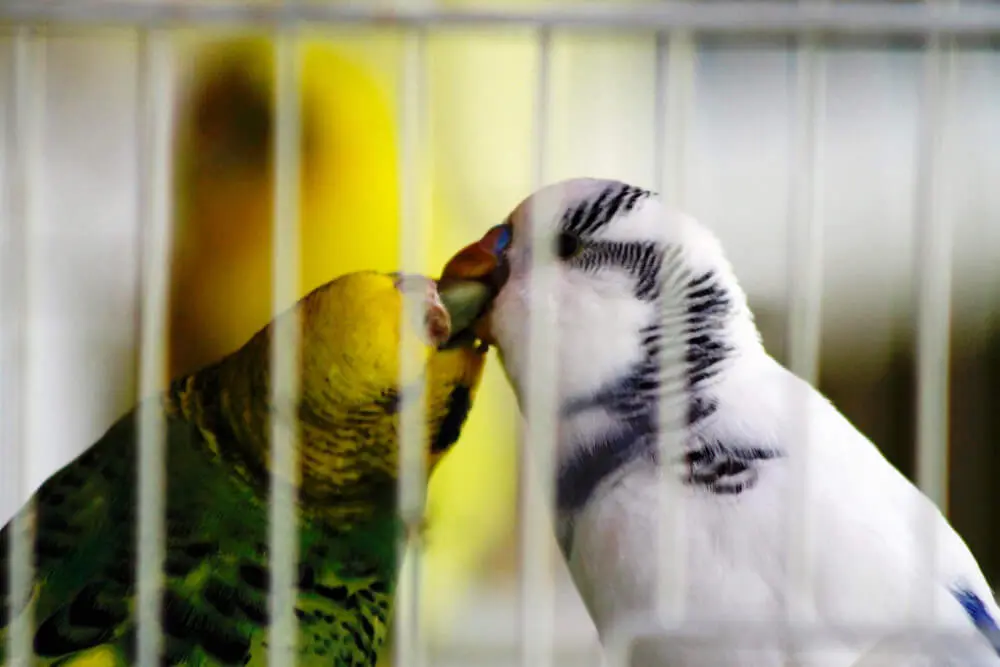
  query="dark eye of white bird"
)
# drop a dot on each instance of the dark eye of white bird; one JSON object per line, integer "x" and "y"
{"x": 568, "y": 245}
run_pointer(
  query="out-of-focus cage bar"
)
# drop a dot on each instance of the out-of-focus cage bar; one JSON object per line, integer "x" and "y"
{"x": 153, "y": 145}
{"x": 675, "y": 25}
{"x": 673, "y": 111}
{"x": 410, "y": 646}
{"x": 804, "y": 289}
{"x": 932, "y": 271}
{"x": 734, "y": 16}
{"x": 538, "y": 441}
{"x": 22, "y": 209}
{"x": 283, "y": 540}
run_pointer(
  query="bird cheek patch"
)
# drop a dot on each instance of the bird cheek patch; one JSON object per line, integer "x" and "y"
{"x": 430, "y": 317}
{"x": 437, "y": 323}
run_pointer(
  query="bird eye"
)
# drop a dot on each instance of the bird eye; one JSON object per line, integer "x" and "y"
{"x": 568, "y": 245}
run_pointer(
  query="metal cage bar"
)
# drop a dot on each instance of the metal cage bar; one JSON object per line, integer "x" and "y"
{"x": 24, "y": 211}
{"x": 673, "y": 106}
{"x": 805, "y": 292}
{"x": 805, "y": 273}
{"x": 733, "y": 16}
{"x": 932, "y": 271}
{"x": 539, "y": 442}
{"x": 153, "y": 143}
{"x": 410, "y": 646}
{"x": 285, "y": 386}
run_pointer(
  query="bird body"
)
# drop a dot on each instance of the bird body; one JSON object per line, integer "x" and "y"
{"x": 217, "y": 476}
{"x": 868, "y": 556}
{"x": 634, "y": 285}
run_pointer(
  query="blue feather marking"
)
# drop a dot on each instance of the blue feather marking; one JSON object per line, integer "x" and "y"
{"x": 979, "y": 614}
{"x": 579, "y": 478}
{"x": 503, "y": 238}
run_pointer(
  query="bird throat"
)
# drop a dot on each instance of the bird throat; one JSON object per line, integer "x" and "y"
{"x": 228, "y": 402}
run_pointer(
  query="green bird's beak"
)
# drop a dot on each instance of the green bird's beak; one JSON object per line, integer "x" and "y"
{"x": 466, "y": 301}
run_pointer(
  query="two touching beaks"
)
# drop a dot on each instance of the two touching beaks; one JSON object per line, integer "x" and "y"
{"x": 470, "y": 282}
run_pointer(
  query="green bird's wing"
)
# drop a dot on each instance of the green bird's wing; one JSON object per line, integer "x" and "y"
{"x": 81, "y": 551}
{"x": 215, "y": 607}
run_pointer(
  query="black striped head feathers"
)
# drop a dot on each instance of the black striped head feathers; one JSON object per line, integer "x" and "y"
{"x": 628, "y": 283}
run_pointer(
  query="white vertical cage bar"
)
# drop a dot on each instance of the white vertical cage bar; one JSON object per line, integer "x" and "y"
{"x": 673, "y": 111}
{"x": 411, "y": 648}
{"x": 283, "y": 544}
{"x": 154, "y": 234}
{"x": 680, "y": 100}
{"x": 805, "y": 272}
{"x": 539, "y": 442}
{"x": 932, "y": 272}
{"x": 24, "y": 147}
{"x": 805, "y": 292}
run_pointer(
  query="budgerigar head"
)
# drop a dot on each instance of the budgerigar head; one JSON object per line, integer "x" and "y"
{"x": 353, "y": 381}
{"x": 622, "y": 265}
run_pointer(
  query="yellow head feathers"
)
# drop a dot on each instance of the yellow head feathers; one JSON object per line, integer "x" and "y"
{"x": 350, "y": 392}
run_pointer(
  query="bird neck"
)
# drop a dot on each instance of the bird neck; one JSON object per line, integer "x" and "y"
{"x": 224, "y": 405}
{"x": 229, "y": 403}
{"x": 700, "y": 345}
{"x": 705, "y": 334}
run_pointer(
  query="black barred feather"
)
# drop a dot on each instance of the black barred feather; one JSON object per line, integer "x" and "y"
{"x": 706, "y": 308}
{"x": 593, "y": 213}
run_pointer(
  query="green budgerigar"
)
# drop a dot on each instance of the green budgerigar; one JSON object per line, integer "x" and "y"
{"x": 217, "y": 478}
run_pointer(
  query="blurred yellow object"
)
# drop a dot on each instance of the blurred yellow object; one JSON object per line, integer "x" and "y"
{"x": 224, "y": 182}
{"x": 349, "y": 217}
{"x": 99, "y": 656}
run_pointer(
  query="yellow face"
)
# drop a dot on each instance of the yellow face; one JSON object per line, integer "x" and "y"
{"x": 351, "y": 389}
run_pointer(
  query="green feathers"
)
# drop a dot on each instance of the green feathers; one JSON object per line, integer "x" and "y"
{"x": 216, "y": 566}
{"x": 216, "y": 576}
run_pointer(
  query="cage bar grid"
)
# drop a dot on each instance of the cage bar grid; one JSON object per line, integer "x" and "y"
{"x": 675, "y": 61}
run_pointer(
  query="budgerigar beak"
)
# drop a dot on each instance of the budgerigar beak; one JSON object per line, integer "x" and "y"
{"x": 465, "y": 301}
{"x": 479, "y": 269}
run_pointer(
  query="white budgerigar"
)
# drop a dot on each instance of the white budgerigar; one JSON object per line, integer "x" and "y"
{"x": 632, "y": 284}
